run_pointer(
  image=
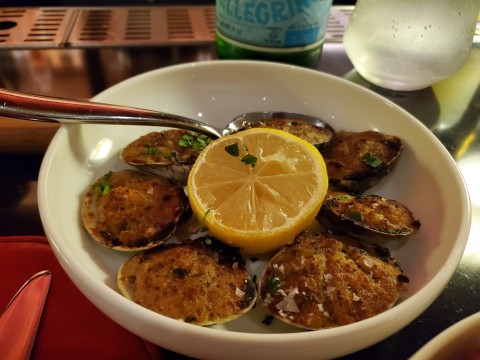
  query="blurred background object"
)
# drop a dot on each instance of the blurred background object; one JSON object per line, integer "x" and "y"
{"x": 18, "y": 3}
{"x": 254, "y": 30}
{"x": 405, "y": 46}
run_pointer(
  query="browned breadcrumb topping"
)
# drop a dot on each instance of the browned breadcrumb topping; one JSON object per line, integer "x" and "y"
{"x": 315, "y": 135}
{"x": 159, "y": 147}
{"x": 345, "y": 158}
{"x": 202, "y": 282}
{"x": 327, "y": 281}
{"x": 139, "y": 211}
{"x": 366, "y": 215}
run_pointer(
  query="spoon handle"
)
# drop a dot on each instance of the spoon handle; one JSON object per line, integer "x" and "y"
{"x": 23, "y": 106}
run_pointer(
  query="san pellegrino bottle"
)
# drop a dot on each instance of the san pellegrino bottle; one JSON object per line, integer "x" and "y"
{"x": 290, "y": 31}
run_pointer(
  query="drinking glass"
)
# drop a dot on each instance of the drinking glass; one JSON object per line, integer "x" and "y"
{"x": 410, "y": 44}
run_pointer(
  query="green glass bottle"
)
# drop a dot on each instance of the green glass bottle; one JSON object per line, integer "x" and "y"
{"x": 290, "y": 31}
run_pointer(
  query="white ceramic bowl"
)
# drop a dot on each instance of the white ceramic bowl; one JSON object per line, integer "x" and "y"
{"x": 426, "y": 179}
{"x": 460, "y": 341}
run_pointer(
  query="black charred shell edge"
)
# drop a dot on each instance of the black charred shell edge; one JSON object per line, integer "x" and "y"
{"x": 359, "y": 183}
{"x": 175, "y": 172}
{"x": 227, "y": 255}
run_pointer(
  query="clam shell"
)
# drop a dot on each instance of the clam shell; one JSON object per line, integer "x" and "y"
{"x": 356, "y": 161}
{"x": 164, "y": 153}
{"x": 322, "y": 281}
{"x": 309, "y": 128}
{"x": 131, "y": 210}
{"x": 200, "y": 281}
{"x": 367, "y": 217}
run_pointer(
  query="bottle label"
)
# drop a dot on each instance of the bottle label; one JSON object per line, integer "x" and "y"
{"x": 273, "y": 23}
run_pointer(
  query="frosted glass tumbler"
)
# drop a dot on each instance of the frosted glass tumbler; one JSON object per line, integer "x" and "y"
{"x": 410, "y": 44}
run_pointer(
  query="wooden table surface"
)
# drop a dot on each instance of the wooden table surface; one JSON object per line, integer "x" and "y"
{"x": 25, "y": 136}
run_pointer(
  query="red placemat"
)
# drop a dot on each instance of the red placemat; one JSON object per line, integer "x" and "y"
{"x": 71, "y": 326}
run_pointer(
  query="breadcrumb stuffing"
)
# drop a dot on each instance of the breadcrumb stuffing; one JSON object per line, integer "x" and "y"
{"x": 327, "y": 275}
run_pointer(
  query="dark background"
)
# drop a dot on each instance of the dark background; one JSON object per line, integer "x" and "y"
{"x": 48, "y": 3}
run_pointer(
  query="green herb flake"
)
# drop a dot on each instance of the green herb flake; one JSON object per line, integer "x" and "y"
{"x": 249, "y": 160}
{"x": 372, "y": 160}
{"x": 172, "y": 156}
{"x": 102, "y": 183}
{"x": 203, "y": 226}
{"x": 197, "y": 142}
{"x": 344, "y": 197}
{"x": 268, "y": 320}
{"x": 200, "y": 143}
{"x": 233, "y": 150}
{"x": 273, "y": 284}
{"x": 185, "y": 141}
{"x": 355, "y": 216}
{"x": 152, "y": 151}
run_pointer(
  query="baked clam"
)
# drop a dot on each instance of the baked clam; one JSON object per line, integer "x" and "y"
{"x": 309, "y": 128}
{"x": 356, "y": 161}
{"x": 131, "y": 210}
{"x": 200, "y": 281}
{"x": 170, "y": 153}
{"x": 322, "y": 280}
{"x": 369, "y": 217}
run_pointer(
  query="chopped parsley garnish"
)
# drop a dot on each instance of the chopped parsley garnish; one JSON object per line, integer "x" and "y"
{"x": 196, "y": 142}
{"x": 372, "y": 160}
{"x": 203, "y": 226}
{"x": 233, "y": 149}
{"x": 248, "y": 159}
{"x": 273, "y": 284}
{"x": 355, "y": 216}
{"x": 344, "y": 197}
{"x": 172, "y": 156}
{"x": 152, "y": 150}
{"x": 268, "y": 320}
{"x": 102, "y": 183}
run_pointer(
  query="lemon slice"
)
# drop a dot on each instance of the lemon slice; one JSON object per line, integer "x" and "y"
{"x": 258, "y": 188}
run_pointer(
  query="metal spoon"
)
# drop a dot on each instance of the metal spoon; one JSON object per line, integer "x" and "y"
{"x": 23, "y": 106}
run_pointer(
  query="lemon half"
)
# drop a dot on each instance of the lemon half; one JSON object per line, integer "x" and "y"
{"x": 257, "y": 189}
